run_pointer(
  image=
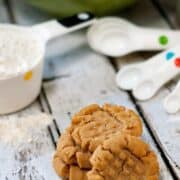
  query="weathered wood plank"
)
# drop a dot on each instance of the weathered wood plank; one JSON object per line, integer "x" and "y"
{"x": 32, "y": 160}
{"x": 75, "y": 76}
{"x": 27, "y": 158}
{"x": 165, "y": 127}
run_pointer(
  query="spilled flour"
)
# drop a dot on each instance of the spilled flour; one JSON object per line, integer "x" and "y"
{"x": 26, "y": 149}
{"x": 24, "y": 129}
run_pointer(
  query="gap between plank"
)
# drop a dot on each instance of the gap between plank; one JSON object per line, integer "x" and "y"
{"x": 162, "y": 12}
{"x": 43, "y": 109}
{"x": 56, "y": 77}
{"x": 10, "y": 13}
{"x": 49, "y": 110}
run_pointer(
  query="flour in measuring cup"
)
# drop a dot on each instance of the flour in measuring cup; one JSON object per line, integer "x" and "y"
{"x": 19, "y": 51}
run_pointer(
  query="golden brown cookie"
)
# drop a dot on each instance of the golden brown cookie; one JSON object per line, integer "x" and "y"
{"x": 77, "y": 174}
{"x": 68, "y": 172}
{"x": 60, "y": 167}
{"x": 112, "y": 115}
{"x": 89, "y": 128}
{"x": 123, "y": 157}
{"x": 96, "y": 126}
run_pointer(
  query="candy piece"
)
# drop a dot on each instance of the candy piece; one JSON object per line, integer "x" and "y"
{"x": 28, "y": 75}
{"x": 177, "y": 62}
{"x": 163, "y": 40}
{"x": 169, "y": 55}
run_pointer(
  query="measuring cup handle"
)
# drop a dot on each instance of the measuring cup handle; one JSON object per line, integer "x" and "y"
{"x": 53, "y": 28}
{"x": 158, "y": 39}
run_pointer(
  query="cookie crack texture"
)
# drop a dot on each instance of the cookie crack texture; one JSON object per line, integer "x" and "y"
{"x": 131, "y": 159}
{"x": 101, "y": 124}
{"x": 127, "y": 117}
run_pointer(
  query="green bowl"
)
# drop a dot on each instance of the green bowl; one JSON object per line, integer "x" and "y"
{"x": 63, "y": 8}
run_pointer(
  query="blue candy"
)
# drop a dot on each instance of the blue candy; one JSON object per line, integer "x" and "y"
{"x": 169, "y": 55}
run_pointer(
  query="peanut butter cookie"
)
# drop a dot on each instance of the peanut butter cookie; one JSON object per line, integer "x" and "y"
{"x": 123, "y": 157}
{"x": 71, "y": 172}
{"x": 89, "y": 128}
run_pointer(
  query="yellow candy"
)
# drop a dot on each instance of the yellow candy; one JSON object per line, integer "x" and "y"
{"x": 28, "y": 75}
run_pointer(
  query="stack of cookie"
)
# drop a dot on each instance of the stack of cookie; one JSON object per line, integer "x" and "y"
{"x": 103, "y": 143}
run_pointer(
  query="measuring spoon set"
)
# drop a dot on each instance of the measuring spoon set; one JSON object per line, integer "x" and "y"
{"x": 117, "y": 37}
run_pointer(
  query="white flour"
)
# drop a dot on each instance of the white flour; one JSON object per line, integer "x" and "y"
{"x": 24, "y": 129}
{"x": 19, "y": 50}
{"x": 25, "y": 148}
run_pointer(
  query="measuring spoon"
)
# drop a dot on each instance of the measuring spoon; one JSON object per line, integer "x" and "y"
{"x": 172, "y": 101}
{"x": 117, "y": 37}
{"x": 152, "y": 83}
{"x": 129, "y": 76}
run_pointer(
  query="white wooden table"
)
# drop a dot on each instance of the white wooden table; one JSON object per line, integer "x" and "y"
{"x": 75, "y": 76}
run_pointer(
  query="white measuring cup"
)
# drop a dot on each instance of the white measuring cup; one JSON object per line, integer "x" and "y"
{"x": 20, "y": 89}
{"x": 172, "y": 101}
{"x": 117, "y": 37}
